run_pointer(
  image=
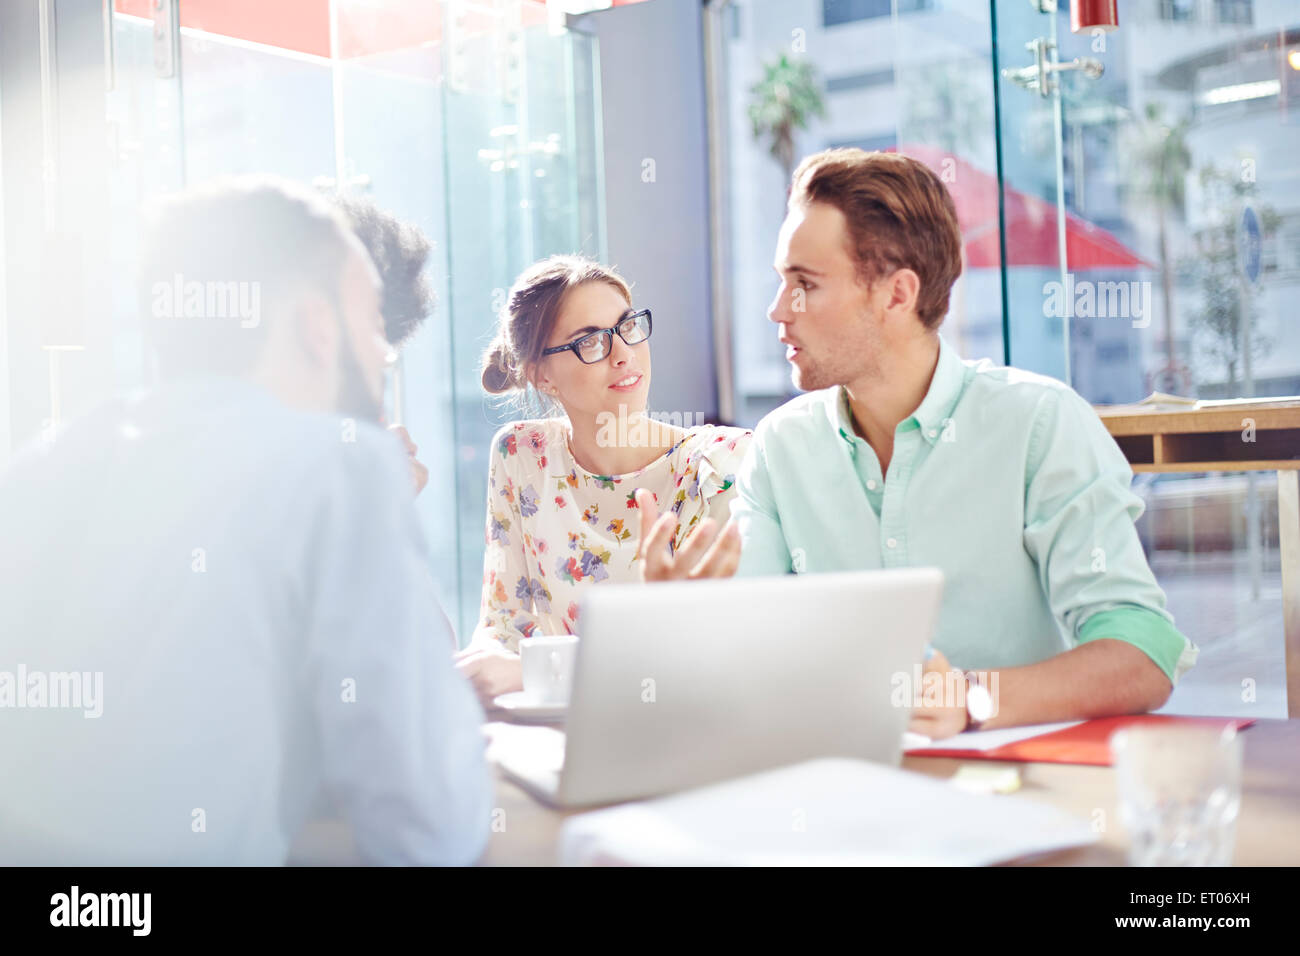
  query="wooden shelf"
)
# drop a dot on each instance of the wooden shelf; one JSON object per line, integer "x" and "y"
{"x": 1138, "y": 420}
{"x": 1236, "y": 438}
{"x": 1159, "y": 467}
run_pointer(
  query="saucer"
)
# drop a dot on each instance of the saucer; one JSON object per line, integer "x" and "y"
{"x": 520, "y": 704}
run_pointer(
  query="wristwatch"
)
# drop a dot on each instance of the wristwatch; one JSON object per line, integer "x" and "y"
{"x": 979, "y": 703}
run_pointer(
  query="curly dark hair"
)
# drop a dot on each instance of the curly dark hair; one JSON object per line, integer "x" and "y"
{"x": 400, "y": 251}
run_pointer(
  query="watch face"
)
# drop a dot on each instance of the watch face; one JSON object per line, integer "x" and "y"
{"x": 979, "y": 703}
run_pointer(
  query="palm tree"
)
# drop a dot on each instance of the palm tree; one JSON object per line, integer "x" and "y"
{"x": 783, "y": 101}
{"x": 1162, "y": 151}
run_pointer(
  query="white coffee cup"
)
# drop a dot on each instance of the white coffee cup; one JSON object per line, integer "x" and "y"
{"x": 547, "y": 664}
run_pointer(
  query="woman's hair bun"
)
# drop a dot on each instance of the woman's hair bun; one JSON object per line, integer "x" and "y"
{"x": 498, "y": 373}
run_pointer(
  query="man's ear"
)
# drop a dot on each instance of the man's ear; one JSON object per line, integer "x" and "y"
{"x": 316, "y": 324}
{"x": 901, "y": 290}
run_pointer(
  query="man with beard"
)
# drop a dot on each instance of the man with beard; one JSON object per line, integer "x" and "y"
{"x": 399, "y": 251}
{"x": 905, "y": 455}
{"x": 232, "y": 561}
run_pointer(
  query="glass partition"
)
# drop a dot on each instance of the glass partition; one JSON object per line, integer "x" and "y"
{"x": 1033, "y": 227}
{"x": 1221, "y": 571}
{"x": 944, "y": 84}
{"x": 146, "y": 158}
{"x": 1184, "y": 152}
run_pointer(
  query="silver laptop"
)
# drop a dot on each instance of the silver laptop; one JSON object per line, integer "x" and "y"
{"x": 686, "y": 683}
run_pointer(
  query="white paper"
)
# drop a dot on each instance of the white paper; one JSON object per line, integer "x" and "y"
{"x": 988, "y": 739}
{"x": 837, "y": 811}
{"x": 528, "y": 744}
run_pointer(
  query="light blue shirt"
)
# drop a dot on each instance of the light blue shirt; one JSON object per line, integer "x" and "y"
{"x": 250, "y": 583}
{"x": 1005, "y": 480}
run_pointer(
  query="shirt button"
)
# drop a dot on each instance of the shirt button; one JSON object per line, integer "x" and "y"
{"x": 892, "y": 542}
{"x": 871, "y": 484}
{"x": 932, "y": 433}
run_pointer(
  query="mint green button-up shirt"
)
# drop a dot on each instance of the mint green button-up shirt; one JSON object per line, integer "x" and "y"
{"x": 1005, "y": 480}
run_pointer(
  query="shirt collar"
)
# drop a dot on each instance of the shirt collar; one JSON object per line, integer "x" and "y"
{"x": 932, "y": 415}
{"x": 842, "y": 417}
{"x": 936, "y": 408}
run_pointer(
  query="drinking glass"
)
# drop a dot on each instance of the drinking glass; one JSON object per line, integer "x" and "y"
{"x": 1179, "y": 793}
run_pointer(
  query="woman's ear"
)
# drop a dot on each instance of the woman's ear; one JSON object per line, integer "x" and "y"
{"x": 542, "y": 382}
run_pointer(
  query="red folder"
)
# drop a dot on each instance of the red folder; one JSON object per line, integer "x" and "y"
{"x": 1085, "y": 743}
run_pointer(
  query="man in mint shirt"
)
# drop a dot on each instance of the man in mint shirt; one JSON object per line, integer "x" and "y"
{"x": 904, "y": 455}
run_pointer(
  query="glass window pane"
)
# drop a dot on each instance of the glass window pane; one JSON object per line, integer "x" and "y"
{"x": 1212, "y": 542}
{"x": 1182, "y": 141}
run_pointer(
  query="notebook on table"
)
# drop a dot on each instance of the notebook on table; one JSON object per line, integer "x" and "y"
{"x": 1078, "y": 742}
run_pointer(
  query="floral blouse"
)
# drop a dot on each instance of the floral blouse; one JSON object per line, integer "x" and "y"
{"x": 553, "y": 528}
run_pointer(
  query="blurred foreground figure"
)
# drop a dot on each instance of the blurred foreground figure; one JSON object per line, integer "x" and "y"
{"x": 216, "y": 620}
{"x": 399, "y": 251}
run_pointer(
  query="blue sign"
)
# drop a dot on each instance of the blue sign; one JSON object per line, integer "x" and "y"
{"x": 1248, "y": 245}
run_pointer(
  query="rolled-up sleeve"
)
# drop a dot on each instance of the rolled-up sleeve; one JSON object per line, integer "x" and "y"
{"x": 1079, "y": 529}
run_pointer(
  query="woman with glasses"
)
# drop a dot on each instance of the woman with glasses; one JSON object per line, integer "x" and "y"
{"x": 563, "y": 505}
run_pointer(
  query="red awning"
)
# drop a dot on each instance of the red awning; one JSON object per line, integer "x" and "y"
{"x": 365, "y": 27}
{"x": 1031, "y": 222}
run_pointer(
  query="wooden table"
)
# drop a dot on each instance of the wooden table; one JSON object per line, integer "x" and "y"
{"x": 1263, "y": 436}
{"x": 1268, "y": 830}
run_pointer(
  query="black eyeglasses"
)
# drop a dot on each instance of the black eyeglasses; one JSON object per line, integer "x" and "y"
{"x": 633, "y": 328}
